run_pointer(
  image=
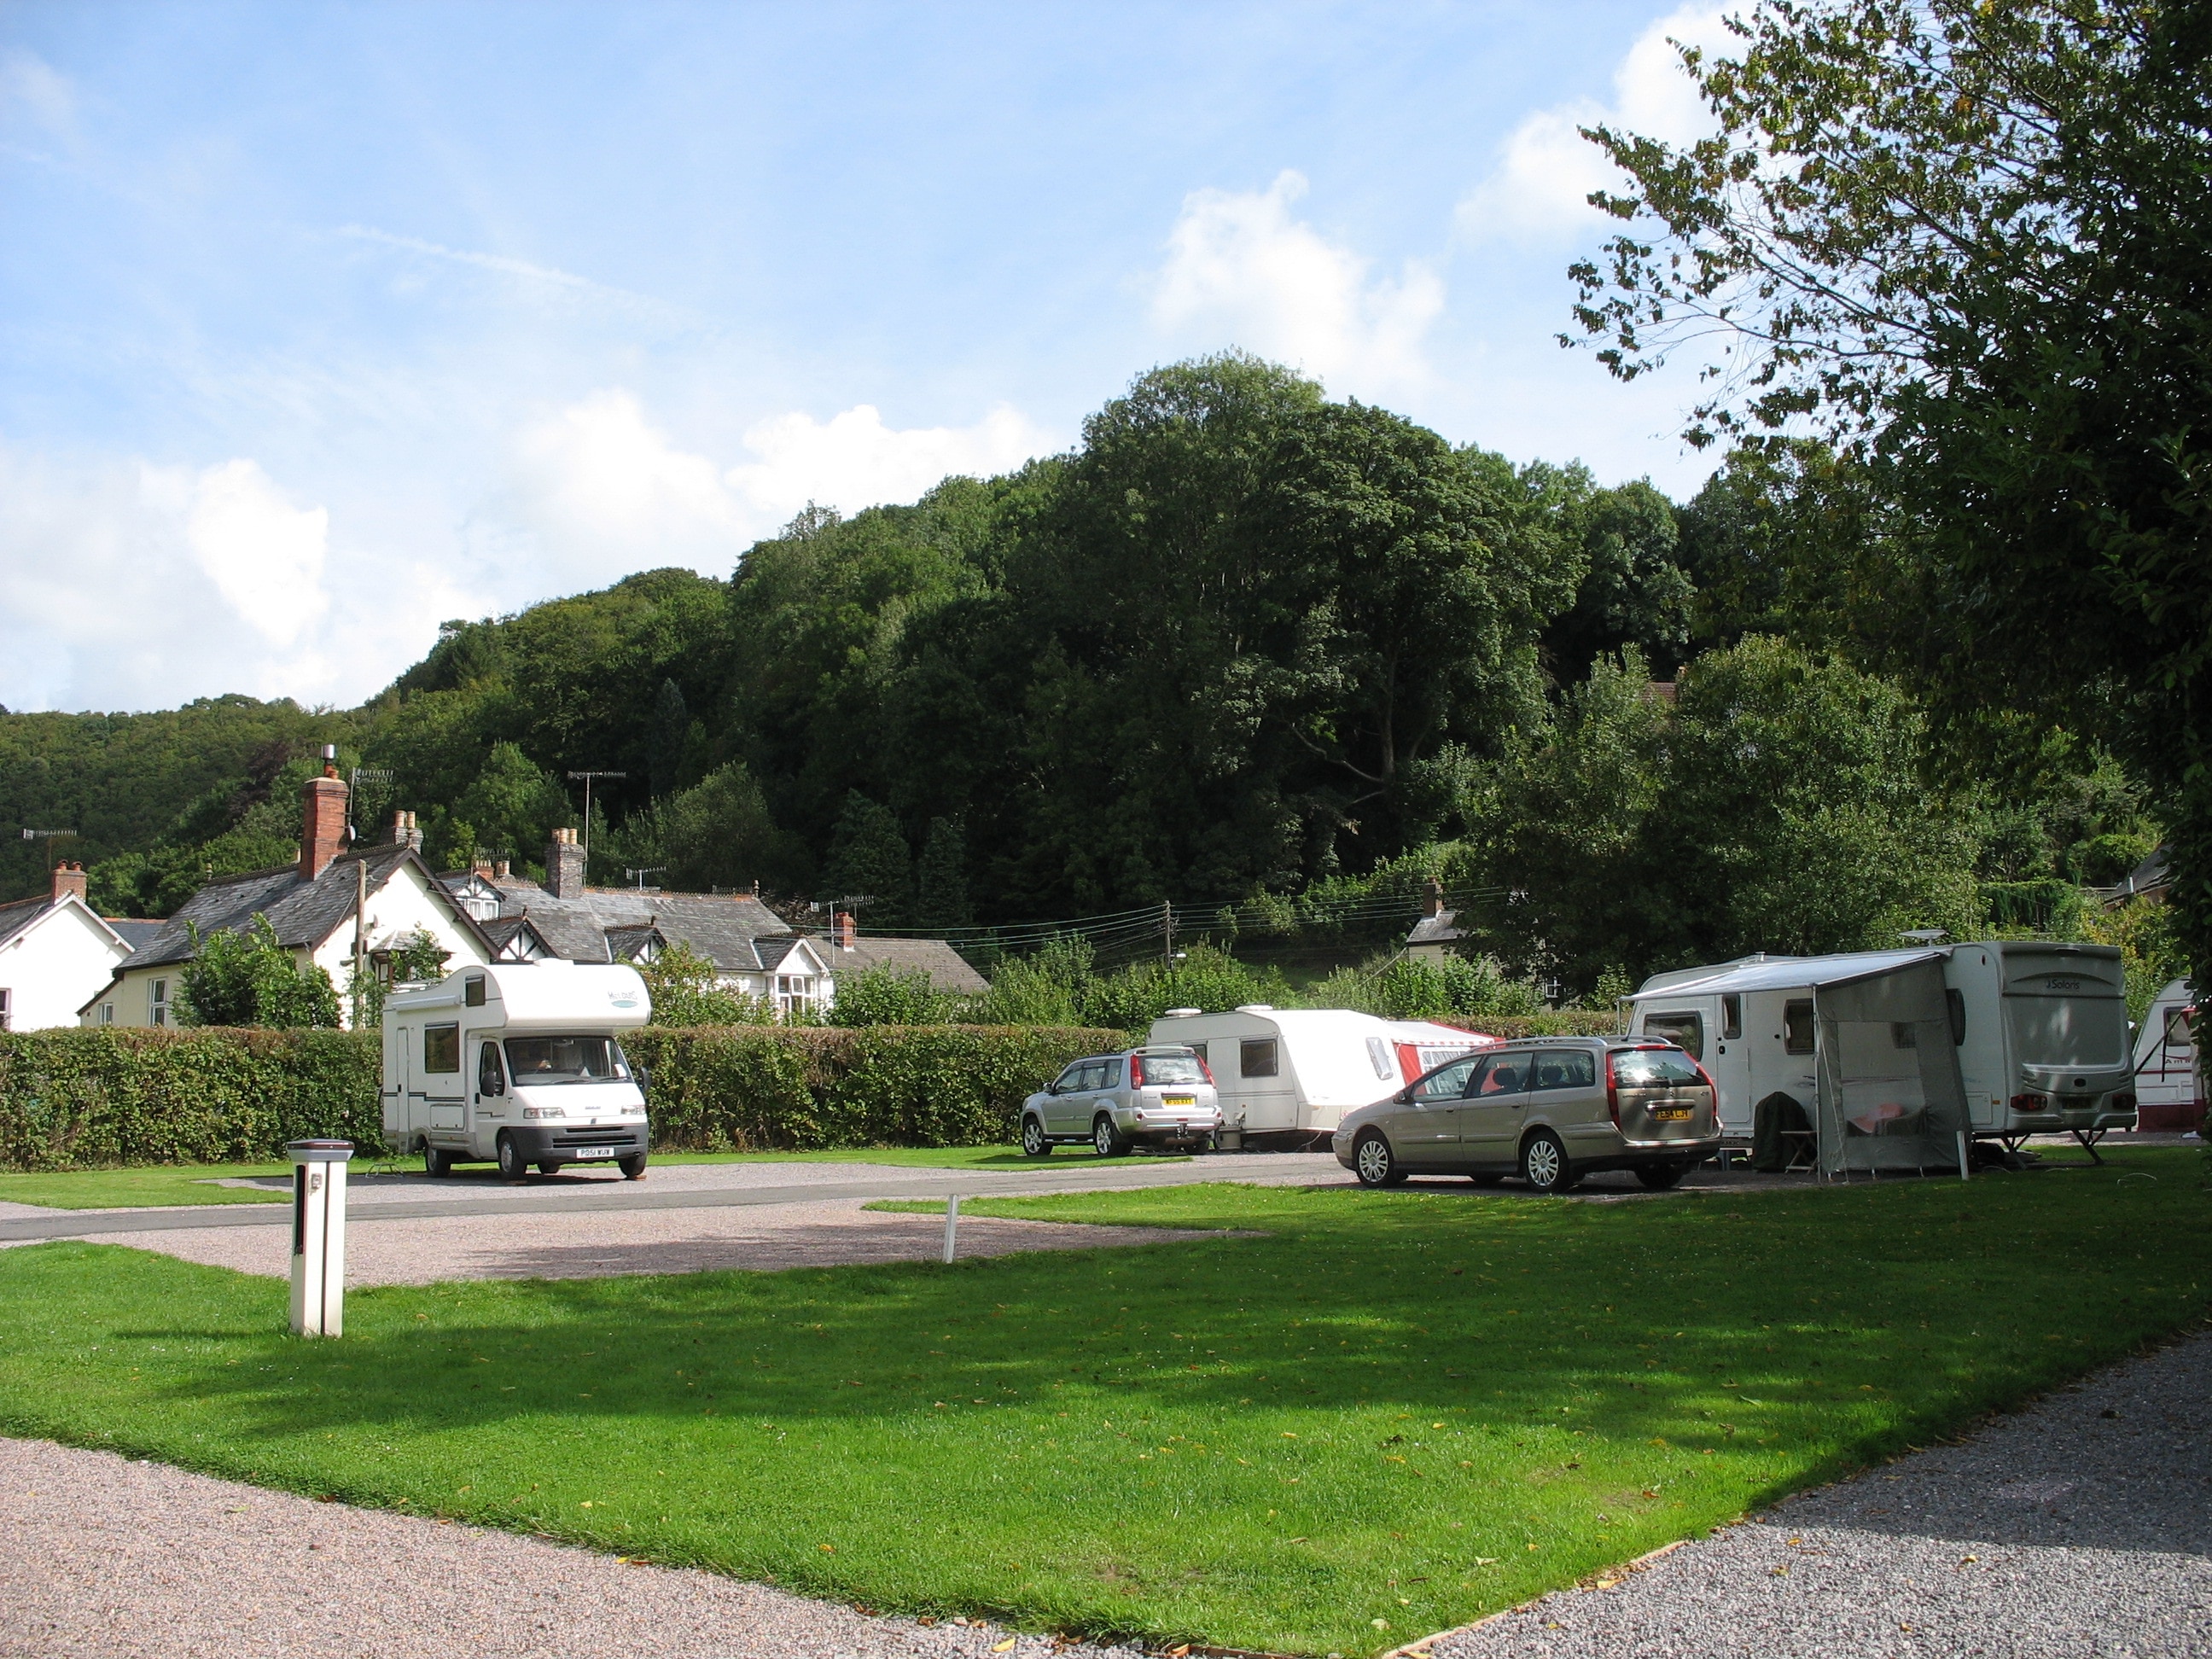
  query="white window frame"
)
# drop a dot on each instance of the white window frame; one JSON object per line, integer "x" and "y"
{"x": 157, "y": 1001}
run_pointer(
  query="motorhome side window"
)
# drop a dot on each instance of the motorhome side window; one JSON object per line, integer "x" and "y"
{"x": 1256, "y": 1057}
{"x": 1731, "y": 1016}
{"x": 1687, "y": 1031}
{"x": 490, "y": 1080}
{"x": 472, "y": 991}
{"x": 441, "y": 1049}
{"x": 1797, "y": 1026}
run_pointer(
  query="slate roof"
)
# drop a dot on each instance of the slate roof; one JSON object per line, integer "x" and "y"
{"x": 947, "y": 970}
{"x": 303, "y": 913}
{"x": 1442, "y": 928}
{"x": 734, "y": 931}
{"x": 15, "y": 918}
{"x": 135, "y": 930}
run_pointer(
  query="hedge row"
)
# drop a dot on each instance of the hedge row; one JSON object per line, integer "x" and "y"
{"x": 89, "y": 1099}
{"x": 73, "y": 1099}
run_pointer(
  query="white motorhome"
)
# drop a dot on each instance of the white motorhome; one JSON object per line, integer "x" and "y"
{"x": 2040, "y": 1030}
{"x": 2167, "y": 1096}
{"x": 519, "y": 1063}
{"x": 1290, "y": 1074}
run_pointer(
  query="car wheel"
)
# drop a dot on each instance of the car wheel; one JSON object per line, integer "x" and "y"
{"x": 1375, "y": 1163}
{"x": 1544, "y": 1163}
{"x": 633, "y": 1168}
{"x": 1106, "y": 1140}
{"x": 1034, "y": 1145}
{"x": 437, "y": 1163}
{"x": 1660, "y": 1177}
{"x": 1487, "y": 1177}
{"x": 513, "y": 1166}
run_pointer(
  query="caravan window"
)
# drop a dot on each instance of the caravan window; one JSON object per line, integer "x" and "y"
{"x": 1731, "y": 1016}
{"x": 1797, "y": 1026}
{"x": 1378, "y": 1056}
{"x": 441, "y": 1049}
{"x": 1256, "y": 1057}
{"x": 1686, "y": 1030}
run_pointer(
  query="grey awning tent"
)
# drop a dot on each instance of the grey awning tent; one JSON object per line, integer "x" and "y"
{"x": 1890, "y": 1094}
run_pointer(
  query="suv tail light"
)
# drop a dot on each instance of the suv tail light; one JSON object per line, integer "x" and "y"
{"x": 1136, "y": 1070}
{"x": 1612, "y": 1093}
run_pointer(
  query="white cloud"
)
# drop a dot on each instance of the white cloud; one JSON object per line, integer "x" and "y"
{"x": 1539, "y": 189}
{"x": 131, "y": 586}
{"x": 37, "y": 96}
{"x": 853, "y": 460}
{"x": 1241, "y": 270}
{"x": 598, "y": 491}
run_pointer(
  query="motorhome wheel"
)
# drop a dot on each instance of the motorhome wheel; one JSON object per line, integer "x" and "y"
{"x": 513, "y": 1166}
{"x": 1034, "y": 1144}
{"x": 548, "y": 1167}
{"x": 633, "y": 1168}
{"x": 1544, "y": 1163}
{"x": 436, "y": 1164}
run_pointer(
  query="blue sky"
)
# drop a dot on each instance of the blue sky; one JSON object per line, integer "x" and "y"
{"x": 321, "y": 324}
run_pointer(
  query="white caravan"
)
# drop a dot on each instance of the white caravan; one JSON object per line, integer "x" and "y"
{"x": 519, "y": 1063}
{"x": 2040, "y": 1030}
{"x": 1285, "y": 1073}
{"x": 2167, "y": 1095}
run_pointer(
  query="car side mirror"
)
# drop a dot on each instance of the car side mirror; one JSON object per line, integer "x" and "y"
{"x": 1404, "y": 1097}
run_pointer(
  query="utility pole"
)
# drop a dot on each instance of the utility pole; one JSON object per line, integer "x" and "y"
{"x": 587, "y": 777}
{"x": 360, "y": 939}
{"x": 1167, "y": 932}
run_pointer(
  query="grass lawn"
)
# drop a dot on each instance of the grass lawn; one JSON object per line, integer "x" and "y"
{"x": 192, "y": 1183}
{"x": 1398, "y": 1411}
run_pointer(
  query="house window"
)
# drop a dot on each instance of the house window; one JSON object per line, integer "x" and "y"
{"x": 792, "y": 993}
{"x": 108, "y": 1013}
{"x": 7, "y": 1009}
{"x": 157, "y": 1001}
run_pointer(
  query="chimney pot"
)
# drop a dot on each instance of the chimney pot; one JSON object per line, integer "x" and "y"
{"x": 499, "y": 870}
{"x": 68, "y": 879}
{"x": 322, "y": 821}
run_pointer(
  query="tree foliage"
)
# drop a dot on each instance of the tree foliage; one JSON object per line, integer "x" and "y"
{"x": 245, "y": 977}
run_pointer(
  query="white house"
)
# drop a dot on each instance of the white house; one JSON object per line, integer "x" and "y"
{"x": 54, "y": 953}
{"x": 334, "y": 901}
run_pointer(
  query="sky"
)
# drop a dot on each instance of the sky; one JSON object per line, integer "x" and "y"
{"x": 322, "y": 324}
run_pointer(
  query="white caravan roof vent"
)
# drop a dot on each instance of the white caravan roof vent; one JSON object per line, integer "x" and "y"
{"x": 1255, "y": 1008}
{"x": 1181, "y": 1013}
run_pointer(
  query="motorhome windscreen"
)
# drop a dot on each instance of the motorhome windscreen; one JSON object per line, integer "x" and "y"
{"x": 1653, "y": 1068}
{"x": 1171, "y": 1068}
{"x": 2076, "y": 1030}
{"x": 540, "y": 1059}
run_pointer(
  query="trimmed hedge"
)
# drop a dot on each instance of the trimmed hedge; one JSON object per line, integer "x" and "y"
{"x": 74, "y": 1099}
{"x": 1560, "y": 1022}
{"x": 737, "y": 1088}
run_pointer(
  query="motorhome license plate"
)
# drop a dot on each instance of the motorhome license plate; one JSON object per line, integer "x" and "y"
{"x": 1671, "y": 1114}
{"x": 1178, "y": 1100}
{"x": 595, "y": 1151}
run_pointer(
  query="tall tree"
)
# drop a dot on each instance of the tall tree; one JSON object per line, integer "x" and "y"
{"x": 869, "y": 860}
{"x": 940, "y": 882}
{"x": 1969, "y": 241}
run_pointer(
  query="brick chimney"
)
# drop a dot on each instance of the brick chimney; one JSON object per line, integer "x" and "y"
{"x": 69, "y": 879}
{"x": 1432, "y": 897}
{"x": 843, "y": 930}
{"x": 322, "y": 818}
{"x": 564, "y": 866}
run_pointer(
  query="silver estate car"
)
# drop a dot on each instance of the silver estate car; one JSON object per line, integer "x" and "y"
{"x": 1161, "y": 1097}
{"x": 1550, "y": 1109}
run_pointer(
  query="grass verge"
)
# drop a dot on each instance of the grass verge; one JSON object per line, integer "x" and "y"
{"x": 1396, "y": 1413}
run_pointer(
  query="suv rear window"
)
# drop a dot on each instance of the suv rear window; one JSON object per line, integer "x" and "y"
{"x": 1653, "y": 1068}
{"x": 1171, "y": 1068}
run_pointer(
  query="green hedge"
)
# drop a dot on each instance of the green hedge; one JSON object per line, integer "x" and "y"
{"x": 91, "y": 1099}
{"x": 1558, "y": 1021}
{"x": 733, "y": 1088}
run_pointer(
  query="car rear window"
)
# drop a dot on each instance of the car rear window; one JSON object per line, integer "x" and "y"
{"x": 1171, "y": 1068}
{"x": 1653, "y": 1068}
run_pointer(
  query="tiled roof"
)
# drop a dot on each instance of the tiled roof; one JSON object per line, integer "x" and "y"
{"x": 947, "y": 970}
{"x": 303, "y": 913}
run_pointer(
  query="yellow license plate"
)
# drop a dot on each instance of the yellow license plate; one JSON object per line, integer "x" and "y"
{"x": 1178, "y": 1100}
{"x": 1671, "y": 1114}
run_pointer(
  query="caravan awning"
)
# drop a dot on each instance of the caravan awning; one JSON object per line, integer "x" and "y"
{"x": 1790, "y": 972}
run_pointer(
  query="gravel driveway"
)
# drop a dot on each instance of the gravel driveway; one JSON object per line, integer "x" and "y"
{"x": 2081, "y": 1526}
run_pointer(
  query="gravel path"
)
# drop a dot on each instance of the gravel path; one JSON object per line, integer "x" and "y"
{"x": 114, "y": 1559}
{"x": 605, "y": 1243}
{"x": 2080, "y": 1526}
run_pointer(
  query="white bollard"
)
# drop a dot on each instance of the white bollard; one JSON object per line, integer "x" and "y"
{"x": 319, "y": 1188}
{"x": 952, "y": 1224}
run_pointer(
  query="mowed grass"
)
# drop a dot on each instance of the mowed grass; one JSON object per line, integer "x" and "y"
{"x": 1397, "y": 1411}
{"x": 194, "y": 1183}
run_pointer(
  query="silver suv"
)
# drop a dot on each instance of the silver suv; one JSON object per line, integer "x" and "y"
{"x": 1161, "y": 1096}
{"x": 1550, "y": 1109}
